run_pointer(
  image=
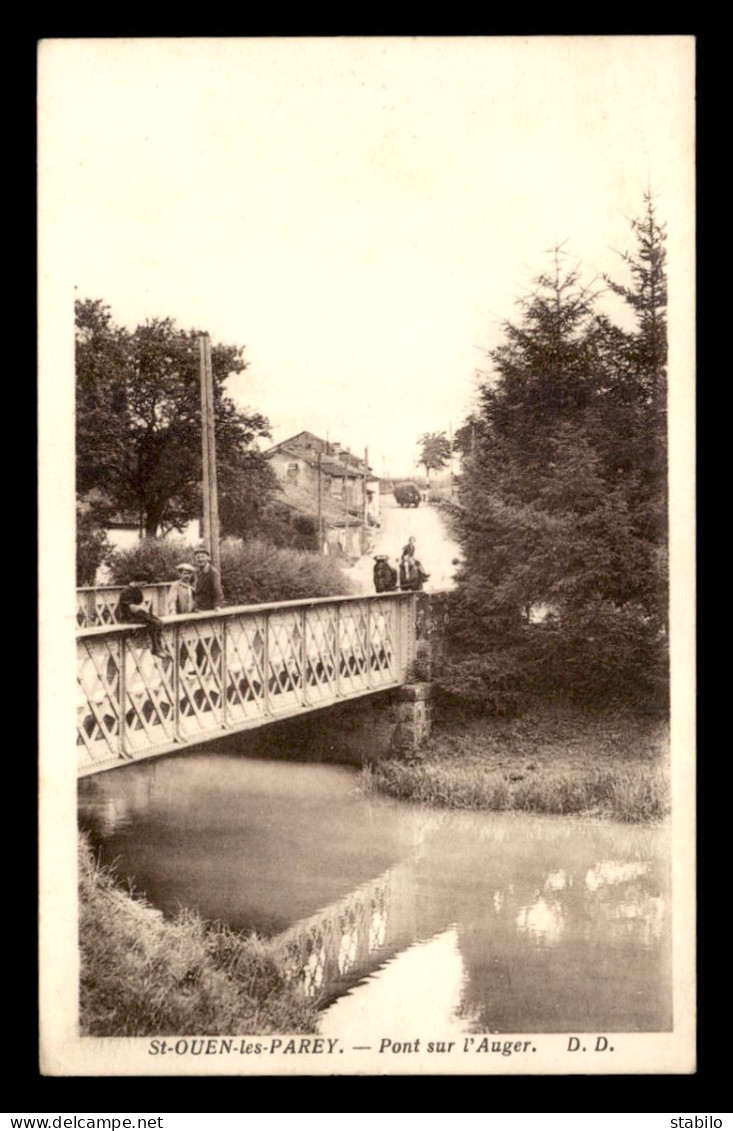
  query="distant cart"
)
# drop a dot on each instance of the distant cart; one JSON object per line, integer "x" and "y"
{"x": 407, "y": 495}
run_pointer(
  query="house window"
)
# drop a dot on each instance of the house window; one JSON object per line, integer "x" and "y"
{"x": 292, "y": 472}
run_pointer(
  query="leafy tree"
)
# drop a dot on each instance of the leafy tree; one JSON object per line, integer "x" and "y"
{"x": 139, "y": 422}
{"x": 434, "y": 452}
{"x": 92, "y": 544}
{"x": 102, "y": 371}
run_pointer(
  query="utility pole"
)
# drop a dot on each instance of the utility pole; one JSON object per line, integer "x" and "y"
{"x": 450, "y": 457}
{"x": 320, "y": 506}
{"x": 364, "y": 503}
{"x": 208, "y": 452}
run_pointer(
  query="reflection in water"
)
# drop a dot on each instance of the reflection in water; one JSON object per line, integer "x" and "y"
{"x": 322, "y": 951}
{"x": 613, "y": 872}
{"x": 380, "y": 911}
{"x": 557, "y": 881}
{"x": 542, "y": 921}
{"x": 419, "y": 991}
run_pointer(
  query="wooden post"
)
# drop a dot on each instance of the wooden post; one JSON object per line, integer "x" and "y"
{"x": 208, "y": 449}
{"x": 364, "y": 503}
{"x": 205, "y": 485}
{"x": 320, "y": 506}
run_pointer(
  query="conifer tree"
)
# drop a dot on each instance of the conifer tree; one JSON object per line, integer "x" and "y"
{"x": 563, "y": 491}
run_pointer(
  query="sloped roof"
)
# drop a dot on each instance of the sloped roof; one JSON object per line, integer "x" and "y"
{"x": 306, "y": 446}
{"x": 329, "y": 465}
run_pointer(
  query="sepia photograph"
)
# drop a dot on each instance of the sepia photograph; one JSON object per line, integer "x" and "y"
{"x": 366, "y": 556}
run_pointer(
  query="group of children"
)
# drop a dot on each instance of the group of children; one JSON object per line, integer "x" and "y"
{"x": 196, "y": 589}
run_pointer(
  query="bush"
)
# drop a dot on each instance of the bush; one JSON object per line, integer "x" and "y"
{"x": 252, "y": 572}
{"x": 256, "y": 572}
{"x": 283, "y": 526}
{"x": 159, "y": 556}
{"x": 487, "y": 684}
{"x": 601, "y": 655}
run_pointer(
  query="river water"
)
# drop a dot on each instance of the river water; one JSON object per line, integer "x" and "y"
{"x": 396, "y": 916}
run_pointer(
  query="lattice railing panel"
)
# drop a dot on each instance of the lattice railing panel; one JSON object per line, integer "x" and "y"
{"x": 383, "y": 653}
{"x": 245, "y": 667}
{"x": 321, "y": 631}
{"x": 231, "y": 669}
{"x": 200, "y": 657}
{"x": 353, "y": 648}
{"x": 285, "y": 660}
{"x": 98, "y": 699}
{"x": 149, "y": 696}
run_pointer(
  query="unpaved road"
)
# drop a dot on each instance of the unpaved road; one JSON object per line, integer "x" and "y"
{"x": 434, "y": 548}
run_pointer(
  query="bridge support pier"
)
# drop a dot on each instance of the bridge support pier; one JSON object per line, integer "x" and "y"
{"x": 389, "y": 724}
{"x": 414, "y": 717}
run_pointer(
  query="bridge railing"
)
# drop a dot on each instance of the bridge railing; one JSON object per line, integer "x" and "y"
{"x": 233, "y": 669}
{"x": 96, "y": 605}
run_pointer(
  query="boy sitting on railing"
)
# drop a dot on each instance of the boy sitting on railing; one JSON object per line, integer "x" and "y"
{"x": 131, "y": 610}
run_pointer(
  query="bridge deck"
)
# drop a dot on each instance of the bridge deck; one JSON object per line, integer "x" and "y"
{"x": 231, "y": 670}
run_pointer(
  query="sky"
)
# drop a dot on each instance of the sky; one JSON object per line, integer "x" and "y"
{"x": 359, "y": 214}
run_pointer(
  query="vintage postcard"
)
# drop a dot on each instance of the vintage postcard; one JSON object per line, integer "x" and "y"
{"x": 367, "y": 556}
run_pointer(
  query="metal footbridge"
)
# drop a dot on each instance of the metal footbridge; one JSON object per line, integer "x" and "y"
{"x": 227, "y": 671}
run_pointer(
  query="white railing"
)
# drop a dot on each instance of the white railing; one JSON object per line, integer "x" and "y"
{"x": 233, "y": 669}
{"x": 96, "y": 605}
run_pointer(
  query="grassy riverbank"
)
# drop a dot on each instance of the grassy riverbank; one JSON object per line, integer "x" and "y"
{"x": 142, "y": 974}
{"x": 551, "y": 761}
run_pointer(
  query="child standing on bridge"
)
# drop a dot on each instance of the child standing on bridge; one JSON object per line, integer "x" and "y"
{"x": 180, "y": 598}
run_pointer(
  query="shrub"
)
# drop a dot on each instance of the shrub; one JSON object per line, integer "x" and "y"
{"x": 159, "y": 556}
{"x": 497, "y": 664}
{"x": 481, "y": 685}
{"x": 256, "y": 572}
{"x": 252, "y": 572}
{"x": 284, "y": 526}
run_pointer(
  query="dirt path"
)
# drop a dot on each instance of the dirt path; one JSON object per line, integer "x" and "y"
{"x": 435, "y": 548}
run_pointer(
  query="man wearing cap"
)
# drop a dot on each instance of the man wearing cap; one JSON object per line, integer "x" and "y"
{"x": 180, "y": 597}
{"x": 208, "y": 593}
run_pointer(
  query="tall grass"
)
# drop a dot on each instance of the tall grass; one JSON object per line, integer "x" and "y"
{"x": 144, "y": 975}
{"x": 636, "y": 793}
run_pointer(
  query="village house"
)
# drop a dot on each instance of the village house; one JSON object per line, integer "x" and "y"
{"x": 323, "y": 478}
